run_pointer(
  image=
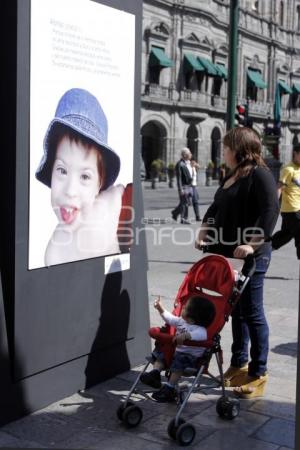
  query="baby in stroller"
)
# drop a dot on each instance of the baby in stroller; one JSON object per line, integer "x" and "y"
{"x": 188, "y": 340}
{"x": 197, "y": 314}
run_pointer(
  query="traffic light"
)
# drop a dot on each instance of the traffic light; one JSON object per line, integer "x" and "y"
{"x": 242, "y": 116}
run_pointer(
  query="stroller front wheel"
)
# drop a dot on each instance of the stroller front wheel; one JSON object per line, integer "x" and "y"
{"x": 185, "y": 434}
{"x": 172, "y": 429}
{"x": 121, "y": 409}
{"x": 132, "y": 416}
{"x": 228, "y": 408}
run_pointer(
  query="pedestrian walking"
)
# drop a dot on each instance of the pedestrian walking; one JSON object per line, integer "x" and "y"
{"x": 238, "y": 223}
{"x": 289, "y": 190}
{"x": 183, "y": 171}
{"x": 195, "y": 195}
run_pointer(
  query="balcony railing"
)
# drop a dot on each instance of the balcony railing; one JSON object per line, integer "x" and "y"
{"x": 157, "y": 91}
{"x": 204, "y": 99}
{"x": 201, "y": 98}
{"x": 213, "y": 102}
{"x": 295, "y": 114}
{"x": 219, "y": 102}
{"x": 261, "y": 108}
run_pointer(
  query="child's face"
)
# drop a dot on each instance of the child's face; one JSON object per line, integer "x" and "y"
{"x": 75, "y": 181}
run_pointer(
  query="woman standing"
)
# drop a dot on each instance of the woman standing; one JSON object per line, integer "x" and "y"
{"x": 239, "y": 221}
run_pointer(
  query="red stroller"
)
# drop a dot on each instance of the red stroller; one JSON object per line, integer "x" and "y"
{"x": 214, "y": 278}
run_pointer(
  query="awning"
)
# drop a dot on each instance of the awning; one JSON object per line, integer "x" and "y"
{"x": 284, "y": 88}
{"x": 191, "y": 63}
{"x": 159, "y": 58}
{"x": 277, "y": 105}
{"x": 255, "y": 77}
{"x": 208, "y": 66}
{"x": 296, "y": 88}
{"x": 222, "y": 71}
{"x": 281, "y": 88}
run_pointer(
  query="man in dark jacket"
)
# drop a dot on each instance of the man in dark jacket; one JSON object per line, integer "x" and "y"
{"x": 184, "y": 183}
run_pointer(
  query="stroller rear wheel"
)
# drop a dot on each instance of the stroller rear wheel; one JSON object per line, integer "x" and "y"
{"x": 228, "y": 408}
{"x": 185, "y": 434}
{"x": 132, "y": 416}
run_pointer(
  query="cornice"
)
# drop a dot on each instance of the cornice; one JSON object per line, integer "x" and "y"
{"x": 204, "y": 15}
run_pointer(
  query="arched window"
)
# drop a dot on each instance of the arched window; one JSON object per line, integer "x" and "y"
{"x": 255, "y": 6}
{"x": 281, "y": 14}
{"x": 216, "y": 151}
{"x": 153, "y": 144}
{"x": 298, "y": 18}
{"x": 192, "y": 140}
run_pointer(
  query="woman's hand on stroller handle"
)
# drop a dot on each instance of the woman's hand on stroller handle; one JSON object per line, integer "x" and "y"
{"x": 242, "y": 251}
{"x": 249, "y": 265}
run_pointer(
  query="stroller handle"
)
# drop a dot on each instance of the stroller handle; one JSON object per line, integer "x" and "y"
{"x": 249, "y": 266}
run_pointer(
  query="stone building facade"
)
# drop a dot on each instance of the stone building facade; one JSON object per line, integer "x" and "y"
{"x": 185, "y": 70}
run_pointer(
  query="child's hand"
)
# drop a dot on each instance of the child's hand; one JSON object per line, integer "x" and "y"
{"x": 158, "y": 305}
{"x": 180, "y": 338}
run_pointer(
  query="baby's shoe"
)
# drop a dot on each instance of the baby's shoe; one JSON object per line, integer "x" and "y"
{"x": 165, "y": 394}
{"x": 151, "y": 378}
{"x": 235, "y": 376}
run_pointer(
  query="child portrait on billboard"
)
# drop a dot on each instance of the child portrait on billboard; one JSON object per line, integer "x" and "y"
{"x": 80, "y": 169}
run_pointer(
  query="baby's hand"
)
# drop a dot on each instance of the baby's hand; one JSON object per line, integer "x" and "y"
{"x": 158, "y": 305}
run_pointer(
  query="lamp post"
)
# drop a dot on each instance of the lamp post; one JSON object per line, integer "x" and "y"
{"x": 232, "y": 63}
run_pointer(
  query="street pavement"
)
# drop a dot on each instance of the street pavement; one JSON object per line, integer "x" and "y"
{"x": 88, "y": 419}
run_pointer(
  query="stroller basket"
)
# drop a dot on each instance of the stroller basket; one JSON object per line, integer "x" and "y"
{"x": 214, "y": 278}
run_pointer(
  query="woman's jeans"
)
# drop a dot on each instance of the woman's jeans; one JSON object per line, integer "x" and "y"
{"x": 249, "y": 323}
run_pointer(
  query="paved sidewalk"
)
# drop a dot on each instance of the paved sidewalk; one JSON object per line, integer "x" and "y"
{"x": 88, "y": 420}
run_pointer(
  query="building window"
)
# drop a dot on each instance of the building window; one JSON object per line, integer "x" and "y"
{"x": 154, "y": 73}
{"x": 158, "y": 60}
{"x": 255, "y": 6}
{"x": 217, "y": 84}
{"x": 201, "y": 80}
{"x": 281, "y": 14}
{"x": 295, "y": 96}
{"x": 298, "y": 18}
{"x": 251, "y": 92}
{"x": 295, "y": 100}
{"x": 255, "y": 85}
{"x": 188, "y": 80}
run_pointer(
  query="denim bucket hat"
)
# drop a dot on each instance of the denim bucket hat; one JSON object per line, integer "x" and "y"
{"x": 80, "y": 111}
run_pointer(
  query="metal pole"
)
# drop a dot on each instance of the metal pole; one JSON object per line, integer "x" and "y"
{"x": 232, "y": 63}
